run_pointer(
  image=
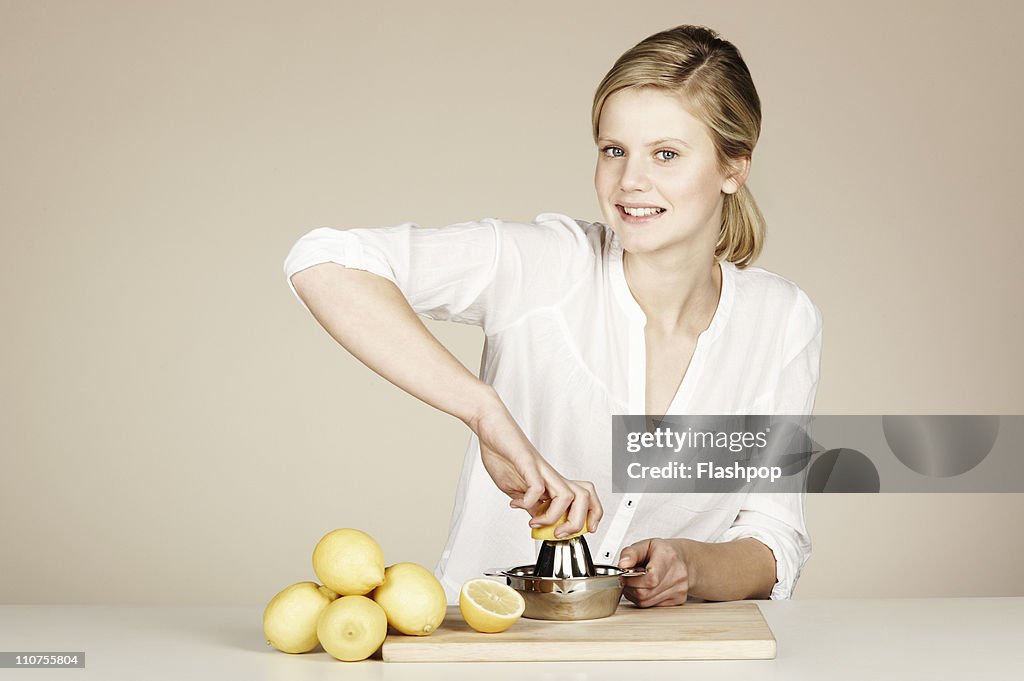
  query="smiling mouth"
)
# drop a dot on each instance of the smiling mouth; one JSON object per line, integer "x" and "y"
{"x": 638, "y": 214}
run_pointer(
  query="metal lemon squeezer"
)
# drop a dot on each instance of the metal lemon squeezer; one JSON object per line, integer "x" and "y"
{"x": 565, "y": 584}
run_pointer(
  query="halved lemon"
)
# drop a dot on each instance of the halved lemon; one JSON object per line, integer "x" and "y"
{"x": 547, "y": 533}
{"x": 489, "y": 606}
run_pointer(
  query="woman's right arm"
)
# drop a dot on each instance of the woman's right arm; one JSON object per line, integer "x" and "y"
{"x": 371, "y": 318}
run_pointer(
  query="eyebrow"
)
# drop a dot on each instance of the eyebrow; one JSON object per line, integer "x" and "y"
{"x": 655, "y": 143}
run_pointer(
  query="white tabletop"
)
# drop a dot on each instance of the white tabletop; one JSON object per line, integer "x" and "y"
{"x": 951, "y": 638}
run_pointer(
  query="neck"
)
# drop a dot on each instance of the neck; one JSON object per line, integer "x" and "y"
{"x": 677, "y": 293}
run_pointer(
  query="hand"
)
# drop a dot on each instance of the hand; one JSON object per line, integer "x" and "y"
{"x": 668, "y": 577}
{"x": 518, "y": 469}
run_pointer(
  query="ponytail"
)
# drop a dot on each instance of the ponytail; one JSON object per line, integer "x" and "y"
{"x": 743, "y": 229}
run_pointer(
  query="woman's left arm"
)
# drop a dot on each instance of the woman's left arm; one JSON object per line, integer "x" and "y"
{"x": 678, "y": 569}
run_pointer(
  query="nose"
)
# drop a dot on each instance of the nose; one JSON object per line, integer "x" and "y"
{"x": 634, "y": 175}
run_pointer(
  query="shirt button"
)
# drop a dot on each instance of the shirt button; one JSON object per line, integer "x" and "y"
{"x": 629, "y": 503}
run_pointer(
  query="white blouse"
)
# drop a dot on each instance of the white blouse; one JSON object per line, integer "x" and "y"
{"x": 565, "y": 350}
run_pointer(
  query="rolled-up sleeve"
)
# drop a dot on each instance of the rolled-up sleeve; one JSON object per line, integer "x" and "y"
{"x": 776, "y": 519}
{"x": 443, "y": 273}
{"x": 483, "y": 273}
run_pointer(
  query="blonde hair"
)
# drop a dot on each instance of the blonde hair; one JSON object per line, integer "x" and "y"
{"x": 709, "y": 73}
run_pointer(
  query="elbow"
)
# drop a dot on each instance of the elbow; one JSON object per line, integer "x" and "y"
{"x": 318, "y": 282}
{"x": 306, "y": 280}
{"x": 308, "y": 284}
{"x": 304, "y": 266}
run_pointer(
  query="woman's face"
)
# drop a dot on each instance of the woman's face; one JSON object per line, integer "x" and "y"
{"x": 653, "y": 154}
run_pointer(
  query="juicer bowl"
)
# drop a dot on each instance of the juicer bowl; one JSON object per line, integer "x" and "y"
{"x": 576, "y": 598}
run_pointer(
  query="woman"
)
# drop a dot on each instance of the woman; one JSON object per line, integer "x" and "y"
{"x": 654, "y": 311}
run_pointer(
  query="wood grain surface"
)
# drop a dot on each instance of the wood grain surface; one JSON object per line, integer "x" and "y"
{"x": 697, "y": 631}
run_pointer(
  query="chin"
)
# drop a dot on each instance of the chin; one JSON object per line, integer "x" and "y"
{"x": 637, "y": 243}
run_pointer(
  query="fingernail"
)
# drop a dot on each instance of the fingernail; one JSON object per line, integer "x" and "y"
{"x": 534, "y": 524}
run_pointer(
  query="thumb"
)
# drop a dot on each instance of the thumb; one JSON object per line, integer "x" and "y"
{"x": 634, "y": 554}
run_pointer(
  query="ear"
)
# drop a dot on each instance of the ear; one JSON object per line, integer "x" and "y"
{"x": 739, "y": 169}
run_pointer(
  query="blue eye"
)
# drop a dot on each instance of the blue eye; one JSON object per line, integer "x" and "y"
{"x": 667, "y": 151}
{"x": 612, "y": 152}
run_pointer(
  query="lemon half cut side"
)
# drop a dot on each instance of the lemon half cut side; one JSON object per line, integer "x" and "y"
{"x": 489, "y": 606}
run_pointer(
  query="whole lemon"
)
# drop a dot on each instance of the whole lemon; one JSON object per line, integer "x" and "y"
{"x": 412, "y": 598}
{"x": 289, "y": 620}
{"x": 349, "y": 562}
{"x": 352, "y": 628}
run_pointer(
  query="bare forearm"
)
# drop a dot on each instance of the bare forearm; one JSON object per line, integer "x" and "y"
{"x": 729, "y": 571}
{"x": 369, "y": 317}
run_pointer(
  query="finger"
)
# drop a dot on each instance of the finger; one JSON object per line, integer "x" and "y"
{"x": 560, "y": 501}
{"x": 532, "y": 509}
{"x": 673, "y": 600}
{"x": 637, "y": 599}
{"x": 646, "y": 598}
{"x": 665, "y": 580}
{"x": 577, "y": 513}
{"x": 558, "y": 493}
{"x": 538, "y": 508}
{"x": 534, "y": 485}
{"x": 655, "y": 565}
{"x": 532, "y": 496}
{"x": 630, "y": 596}
{"x": 658, "y": 600}
{"x": 594, "y": 510}
{"x": 635, "y": 554}
{"x": 672, "y": 591}
{"x": 561, "y": 498}
{"x": 648, "y": 592}
{"x": 650, "y": 580}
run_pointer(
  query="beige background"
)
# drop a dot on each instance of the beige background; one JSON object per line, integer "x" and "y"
{"x": 176, "y": 428}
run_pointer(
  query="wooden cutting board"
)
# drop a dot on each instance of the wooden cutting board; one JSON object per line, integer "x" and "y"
{"x": 695, "y": 631}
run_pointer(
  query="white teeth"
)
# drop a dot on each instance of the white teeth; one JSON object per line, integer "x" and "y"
{"x": 641, "y": 212}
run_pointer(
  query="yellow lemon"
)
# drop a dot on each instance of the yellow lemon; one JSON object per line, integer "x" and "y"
{"x": 547, "y": 532}
{"x": 349, "y": 562}
{"x": 412, "y": 598}
{"x": 289, "y": 620}
{"x": 352, "y": 628}
{"x": 490, "y": 606}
